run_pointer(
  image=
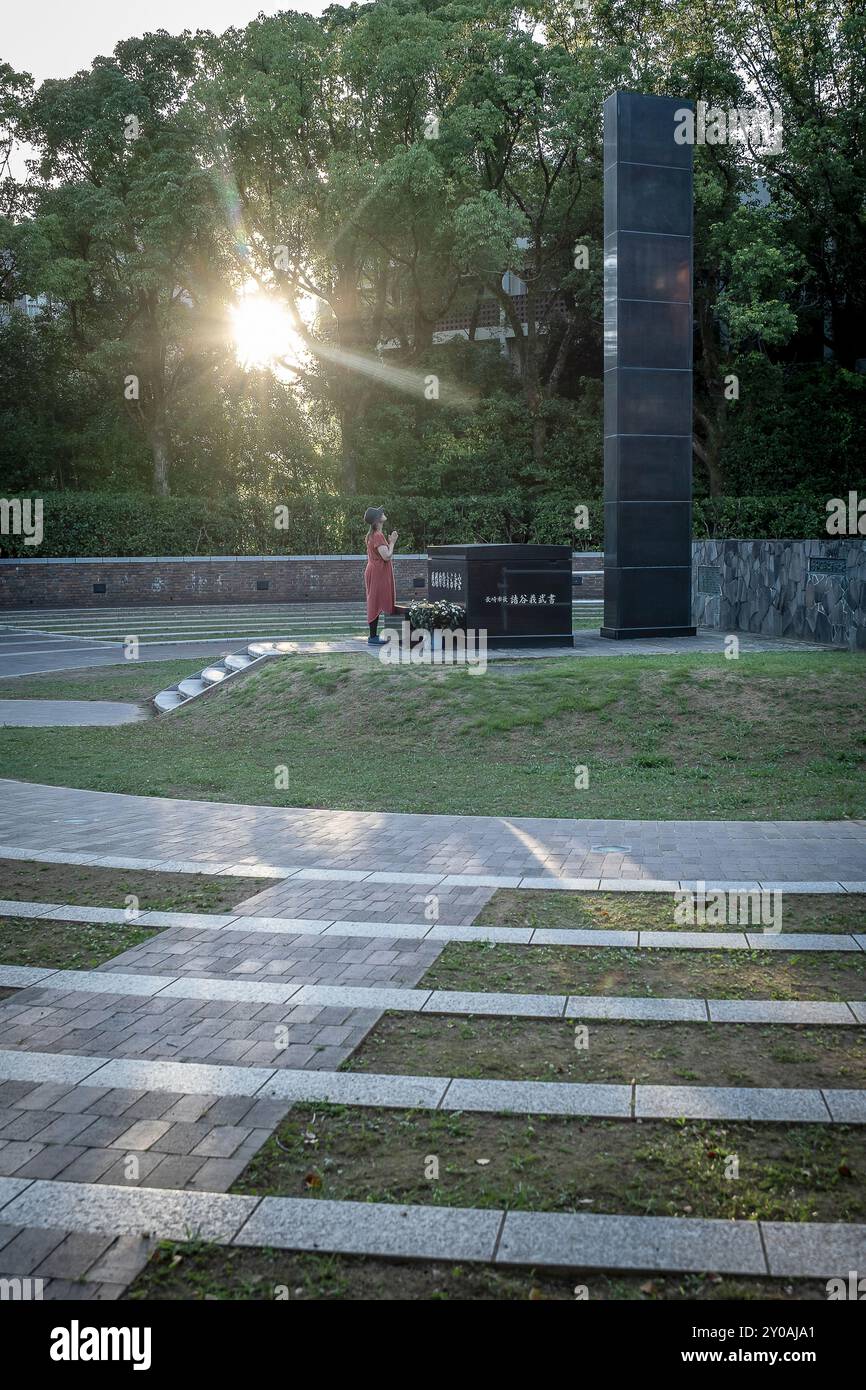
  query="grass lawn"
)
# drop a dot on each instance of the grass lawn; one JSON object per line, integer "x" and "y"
{"x": 472, "y": 965}
{"x": 66, "y": 945}
{"x": 528, "y": 907}
{"x": 129, "y": 680}
{"x": 29, "y": 881}
{"x": 653, "y": 1054}
{"x": 771, "y": 735}
{"x": 543, "y": 1163}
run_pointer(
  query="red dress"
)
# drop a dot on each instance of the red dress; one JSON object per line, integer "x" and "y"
{"x": 379, "y": 579}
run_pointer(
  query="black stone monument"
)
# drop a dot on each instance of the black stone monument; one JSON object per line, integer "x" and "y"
{"x": 520, "y": 594}
{"x": 647, "y": 369}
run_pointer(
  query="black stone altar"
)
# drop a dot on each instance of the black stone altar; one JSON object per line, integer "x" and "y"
{"x": 520, "y": 594}
{"x": 648, "y": 369}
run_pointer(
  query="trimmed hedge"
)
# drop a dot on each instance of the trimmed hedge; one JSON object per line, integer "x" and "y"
{"x": 92, "y": 523}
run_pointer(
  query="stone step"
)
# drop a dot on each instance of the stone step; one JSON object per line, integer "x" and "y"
{"x": 168, "y": 700}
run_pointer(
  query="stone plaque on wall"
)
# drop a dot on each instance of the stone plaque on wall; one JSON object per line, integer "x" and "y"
{"x": 709, "y": 580}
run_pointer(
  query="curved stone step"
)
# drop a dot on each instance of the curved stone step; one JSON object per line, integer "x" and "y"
{"x": 193, "y": 685}
{"x": 168, "y": 699}
{"x": 238, "y": 661}
{"x": 211, "y": 675}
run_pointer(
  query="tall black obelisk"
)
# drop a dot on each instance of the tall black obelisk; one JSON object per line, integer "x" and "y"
{"x": 647, "y": 369}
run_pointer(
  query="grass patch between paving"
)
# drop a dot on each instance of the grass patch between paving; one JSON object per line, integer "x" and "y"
{"x": 664, "y": 1054}
{"x": 198, "y": 1270}
{"x": 128, "y": 680}
{"x": 549, "y": 910}
{"x": 83, "y": 885}
{"x": 650, "y": 973}
{"x": 543, "y": 1163}
{"x": 663, "y": 737}
{"x": 66, "y": 945}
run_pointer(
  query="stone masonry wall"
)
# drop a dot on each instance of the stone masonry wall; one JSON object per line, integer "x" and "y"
{"x": 809, "y": 589}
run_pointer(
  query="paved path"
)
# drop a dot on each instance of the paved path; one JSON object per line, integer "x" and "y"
{"x": 68, "y": 713}
{"x": 358, "y": 844}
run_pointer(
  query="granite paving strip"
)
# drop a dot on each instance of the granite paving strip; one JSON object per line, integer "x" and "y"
{"x": 591, "y": 1241}
{"x": 816, "y": 1250}
{"x": 388, "y": 930}
{"x": 22, "y": 976}
{"x": 846, "y": 1107}
{"x": 56, "y": 1067}
{"x": 446, "y": 1001}
{"x": 373, "y": 1228}
{"x": 358, "y": 1088}
{"x": 730, "y": 1103}
{"x": 609, "y": 1006}
{"x": 539, "y": 1098}
{"x": 109, "y": 1210}
{"x": 777, "y": 1011}
{"x": 531, "y": 1238}
{"x": 394, "y": 1091}
{"x": 375, "y": 997}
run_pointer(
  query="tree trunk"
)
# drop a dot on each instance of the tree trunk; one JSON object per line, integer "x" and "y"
{"x": 161, "y": 454}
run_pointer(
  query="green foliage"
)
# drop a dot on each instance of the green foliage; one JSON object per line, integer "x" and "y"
{"x": 92, "y": 523}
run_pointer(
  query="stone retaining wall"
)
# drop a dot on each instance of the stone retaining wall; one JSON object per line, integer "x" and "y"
{"x": 813, "y": 590}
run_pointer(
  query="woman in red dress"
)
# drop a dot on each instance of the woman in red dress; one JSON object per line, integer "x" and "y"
{"x": 379, "y": 574}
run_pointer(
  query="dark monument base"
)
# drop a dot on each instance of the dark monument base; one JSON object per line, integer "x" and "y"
{"x": 519, "y": 595}
{"x": 623, "y": 633}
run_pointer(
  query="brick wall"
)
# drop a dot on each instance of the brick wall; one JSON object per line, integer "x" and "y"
{"x": 207, "y": 579}
{"x": 139, "y": 581}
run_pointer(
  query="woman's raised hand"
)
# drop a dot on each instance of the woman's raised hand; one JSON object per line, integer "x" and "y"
{"x": 392, "y": 539}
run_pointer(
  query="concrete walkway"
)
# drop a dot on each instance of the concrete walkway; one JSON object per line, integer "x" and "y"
{"x": 68, "y": 713}
{"x": 357, "y": 844}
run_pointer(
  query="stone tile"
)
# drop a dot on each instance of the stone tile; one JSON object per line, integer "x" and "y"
{"x": 372, "y": 1228}
{"x": 22, "y": 976}
{"x": 89, "y": 1166}
{"x": 64, "y": 1129}
{"x": 563, "y": 885}
{"x": 802, "y": 886}
{"x": 695, "y": 941}
{"x": 181, "y": 1138}
{"x": 142, "y": 1135}
{"x": 174, "y": 1171}
{"x": 587, "y": 1240}
{"x": 638, "y": 885}
{"x": 47, "y": 1066}
{"x": 26, "y": 1252}
{"x": 123, "y": 1211}
{"x": 858, "y": 1009}
{"x": 358, "y": 1088}
{"x": 73, "y": 1256}
{"x": 11, "y": 907}
{"x": 218, "y": 1174}
{"x": 419, "y": 880}
{"x": 846, "y": 1107}
{"x": 568, "y": 936}
{"x": 538, "y": 1098}
{"x": 185, "y": 919}
{"x": 109, "y": 982}
{"x": 480, "y": 881}
{"x": 220, "y": 1142}
{"x": 405, "y": 931}
{"x": 67, "y": 913}
{"x": 248, "y": 991}
{"x": 187, "y": 1077}
{"x": 125, "y": 1257}
{"x": 855, "y": 886}
{"x": 729, "y": 1103}
{"x": 801, "y": 941}
{"x": 508, "y": 1005}
{"x": 364, "y": 998}
{"x": 280, "y": 926}
{"x": 15, "y": 1154}
{"x": 776, "y": 1011}
{"x": 817, "y": 1250}
{"x": 514, "y": 936}
{"x": 10, "y": 1188}
{"x": 610, "y": 1006}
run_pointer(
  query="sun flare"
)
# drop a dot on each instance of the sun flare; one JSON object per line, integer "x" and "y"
{"x": 263, "y": 332}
